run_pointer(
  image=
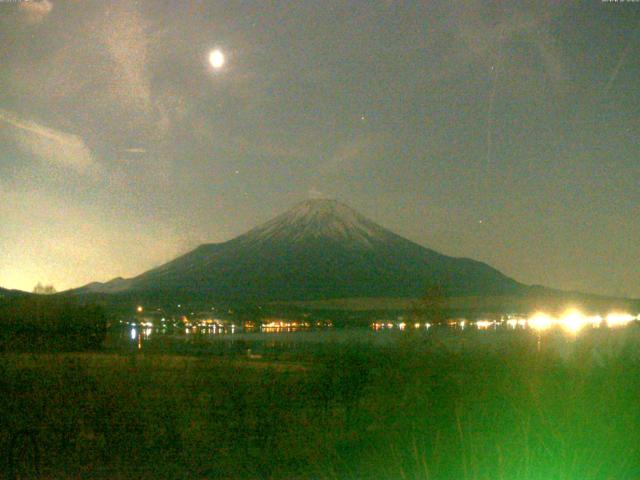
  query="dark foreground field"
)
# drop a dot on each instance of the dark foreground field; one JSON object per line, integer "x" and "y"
{"x": 412, "y": 409}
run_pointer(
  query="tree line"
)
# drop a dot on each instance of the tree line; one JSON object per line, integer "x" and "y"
{"x": 37, "y": 323}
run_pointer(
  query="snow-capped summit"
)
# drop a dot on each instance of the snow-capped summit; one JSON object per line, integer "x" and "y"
{"x": 319, "y": 249}
{"x": 319, "y": 219}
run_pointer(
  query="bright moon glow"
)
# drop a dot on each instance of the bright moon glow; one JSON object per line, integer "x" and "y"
{"x": 216, "y": 59}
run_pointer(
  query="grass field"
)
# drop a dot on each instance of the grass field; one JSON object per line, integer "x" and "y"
{"x": 414, "y": 408}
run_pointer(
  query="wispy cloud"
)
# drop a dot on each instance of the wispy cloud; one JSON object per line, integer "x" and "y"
{"x": 621, "y": 60}
{"x": 51, "y": 145}
{"x": 34, "y": 12}
{"x": 353, "y": 155}
{"x": 314, "y": 193}
{"x": 477, "y": 33}
{"x": 126, "y": 39}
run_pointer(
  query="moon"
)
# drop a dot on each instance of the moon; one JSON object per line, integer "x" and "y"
{"x": 216, "y": 59}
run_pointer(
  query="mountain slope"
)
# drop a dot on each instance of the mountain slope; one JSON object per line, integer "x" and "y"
{"x": 6, "y": 294}
{"x": 319, "y": 249}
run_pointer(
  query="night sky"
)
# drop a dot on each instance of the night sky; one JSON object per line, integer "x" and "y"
{"x": 505, "y": 132}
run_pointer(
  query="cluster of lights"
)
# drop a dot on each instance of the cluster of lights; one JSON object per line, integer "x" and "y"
{"x": 399, "y": 326}
{"x": 485, "y": 324}
{"x": 135, "y": 324}
{"x": 571, "y": 321}
{"x": 279, "y": 325}
{"x": 144, "y": 332}
{"x": 208, "y": 325}
{"x": 516, "y": 322}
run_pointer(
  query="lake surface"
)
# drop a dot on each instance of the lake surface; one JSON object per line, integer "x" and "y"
{"x": 564, "y": 335}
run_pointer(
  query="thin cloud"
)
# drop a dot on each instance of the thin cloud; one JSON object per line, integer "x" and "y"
{"x": 34, "y": 12}
{"x": 314, "y": 193}
{"x": 51, "y": 145}
{"x": 129, "y": 38}
{"x": 476, "y": 38}
{"x": 621, "y": 60}
{"x": 127, "y": 42}
{"x": 352, "y": 155}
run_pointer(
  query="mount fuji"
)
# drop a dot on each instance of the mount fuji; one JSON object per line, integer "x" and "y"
{"x": 320, "y": 249}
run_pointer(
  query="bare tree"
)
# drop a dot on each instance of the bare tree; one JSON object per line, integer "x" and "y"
{"x": 44, "y": 289}
{"x": 431, "y": 306}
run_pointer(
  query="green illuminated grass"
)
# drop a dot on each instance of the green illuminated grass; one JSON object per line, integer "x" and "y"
{"x": 417, "y": 408}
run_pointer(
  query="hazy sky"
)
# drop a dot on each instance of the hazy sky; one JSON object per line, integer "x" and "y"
{"x": 508, "y": 132}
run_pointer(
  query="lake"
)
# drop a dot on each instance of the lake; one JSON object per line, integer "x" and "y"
{"x": 561, "y": 334}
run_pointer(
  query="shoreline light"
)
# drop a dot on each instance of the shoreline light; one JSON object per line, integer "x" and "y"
{"x": 617, "y": 319}
{"x": 540, "y": 321}
{"x": 573, "y": 321}
{"x": 484, "y": 324}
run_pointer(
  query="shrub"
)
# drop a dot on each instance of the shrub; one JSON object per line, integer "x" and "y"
{"x": 39, "y": 323}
